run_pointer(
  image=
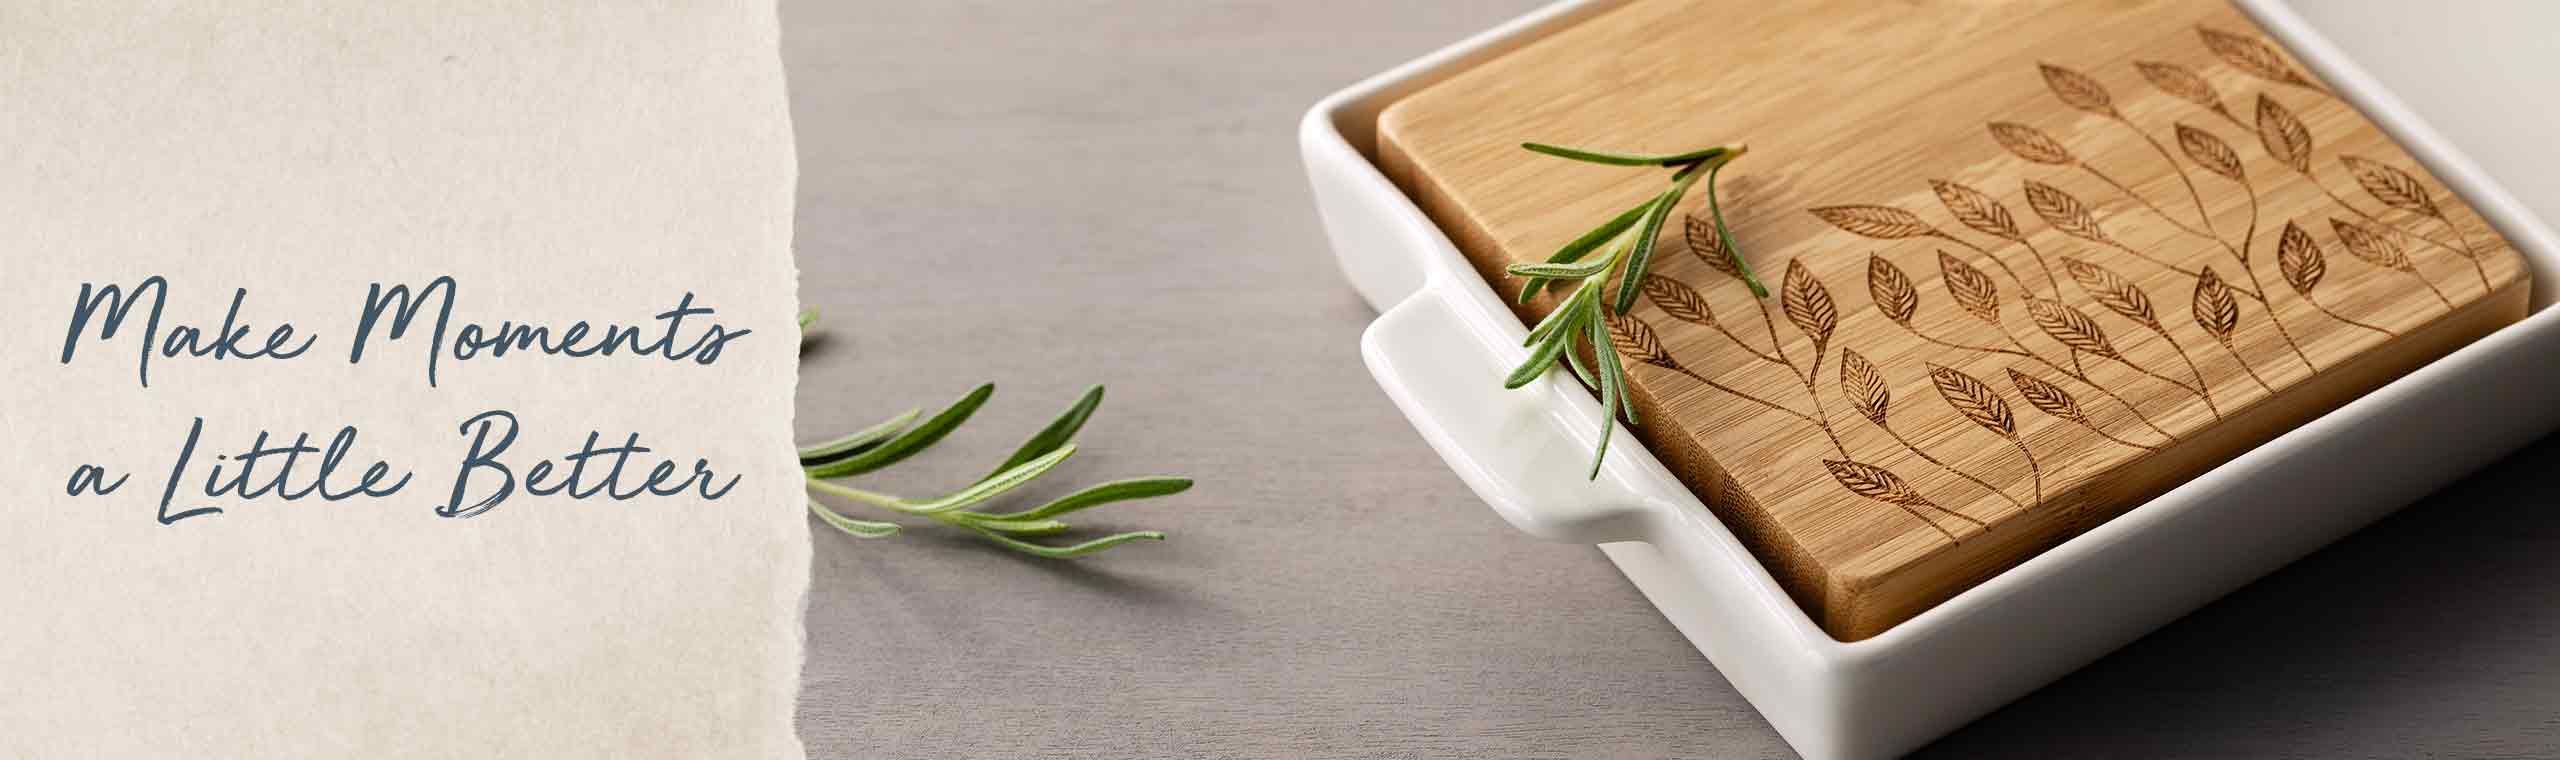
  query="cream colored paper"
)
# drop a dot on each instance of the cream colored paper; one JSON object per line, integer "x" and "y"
{"x": 562, "y": 162}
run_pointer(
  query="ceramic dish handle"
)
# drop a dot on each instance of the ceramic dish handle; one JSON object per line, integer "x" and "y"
{"x": 1442, "y": 356}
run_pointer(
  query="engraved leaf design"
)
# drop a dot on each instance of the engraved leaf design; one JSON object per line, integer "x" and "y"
{"x": 2371, "y": 246}
{"x": 1882, "y": 222}
{"x": 1875, "y": 483}
{"x": 1974, "y": 399}
{"x": 1808, "y": 304}
{"x": 1706, "y": 244}
{"x": 2077, "y": 90}
{"x": 2390, "y": 185}
{"x": 2216, "y": 311}
{"x": 1677, "y": 300}
{"x": 1977, "y": 210}
{"x": 2182, "y": 82}
{"x": 2047, "y": 397}
{"x": 1970, "y": 288}
{"x": 2064, "y": 212}
{"x": 2250, "y": 54}
{"x": 2069, "y": 326}
{"x": 2283, "y": 135}
{"x": 2113, "y": 291}
{"x": 2030, "y": 143}
{"x": 1636, "y": 340}
{"x": 1864, "y": 386}
{"x": 1892, "y": 290}
{"x": 2209, "y": 152}
{"x": 2300, "y": 259}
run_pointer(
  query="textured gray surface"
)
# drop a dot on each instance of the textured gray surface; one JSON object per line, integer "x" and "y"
{"x": 1051, "y": 195}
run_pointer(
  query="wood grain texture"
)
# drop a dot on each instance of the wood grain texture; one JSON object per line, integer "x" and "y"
{"x": 2039, "y": 264}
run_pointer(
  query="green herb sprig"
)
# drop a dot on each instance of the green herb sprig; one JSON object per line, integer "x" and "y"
{"x": 1625, "y": 246}
{"x": 902, "y": 436}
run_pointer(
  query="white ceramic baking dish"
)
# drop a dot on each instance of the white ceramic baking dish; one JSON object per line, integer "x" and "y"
{"x": 1443, "y": 340}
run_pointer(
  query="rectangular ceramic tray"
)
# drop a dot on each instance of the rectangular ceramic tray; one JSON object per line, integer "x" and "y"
{"x": 1443, "y": 339}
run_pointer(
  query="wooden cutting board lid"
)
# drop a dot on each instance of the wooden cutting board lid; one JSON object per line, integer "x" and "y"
{"x": 2031, "y": 264}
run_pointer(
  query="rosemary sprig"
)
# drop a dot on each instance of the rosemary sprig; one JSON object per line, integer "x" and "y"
{"x": 902, "y": 436}
{"x": 1625, "y": 246}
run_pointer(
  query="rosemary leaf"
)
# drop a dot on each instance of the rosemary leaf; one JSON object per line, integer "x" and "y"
{"x": 1558, "y": 319}
{"x": 859, "y": 441}
{"x": 857, "y": 528}
{"x": 1614, "y": 371}
{"x": 998, "y": 483}
{"x": 1581, "y": 370}
{"x": 1118, "y": 490}
{"x": 1065, "y": 552}
{"x": 1609, "y": 389}
{"x": 1015, "y": 527}
{"x": 850, "y": 493}
{"x": 1543, "y": 357}
{"x": 1057, "y": 433}
{"x": 1731, "y": 249}
{"x": 908, "y": 443}
{"x": 1559, "y": 271}
{"x": 1640, "y": 253}
{"x": 1574, "y": 251}
{"x": 1625, "y": 159}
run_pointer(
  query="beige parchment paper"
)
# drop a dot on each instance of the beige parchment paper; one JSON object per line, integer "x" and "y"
{"x": 562, "y": 162}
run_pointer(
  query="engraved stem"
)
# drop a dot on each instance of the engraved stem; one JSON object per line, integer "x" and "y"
{"x": 2243, "y": 254}
{"x": 2111, "y": 436}
{"x": 2177, "y": 168}
{"x": 2033, "y": 469}
{"x": 2146, "y": 203}
{"x": 1915, "y": 332}
{"x": 2021, "y": 350}
{"x": 2190, "y": 273}
{"x": 2083, "y": 376}
{"x": 1924, "y": 519}
{"x": 2226, "y": 115}
{"x": 2048, "y": 269}
{"x": 2180, "y": 384}
{"x": 1748, "y": 397}
{"x": 1824, "y": 419}
{"x": 1819, "y": 420}
{"x": 1906, "y": 443}
{"x": 1776, "y": 346}
{"x": 1995, "y": 261}
{"x": 1749, "y": 349}
{"x": 2244, "y": 365}
{"x": 1823, "y": 416}
{"x": 2324, "y": 309}
{"x": 2431, "y": 288}
{"x": 2467, "y": 253}
{"x": 2201, "y": 385}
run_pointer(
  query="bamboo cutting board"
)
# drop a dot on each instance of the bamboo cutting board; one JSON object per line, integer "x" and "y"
{"x": 2031, "y": 264}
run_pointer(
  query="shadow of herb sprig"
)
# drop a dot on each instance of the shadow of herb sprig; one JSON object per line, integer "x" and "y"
{"x": 893, "y": 440}
{"x": 1625, "y": 245}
